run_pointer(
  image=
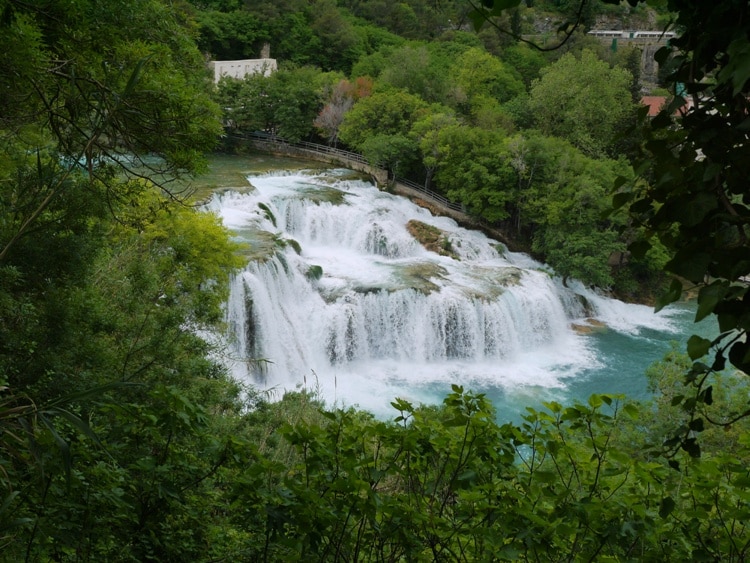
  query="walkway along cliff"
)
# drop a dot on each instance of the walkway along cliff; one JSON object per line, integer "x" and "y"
{"x": 438, "y": 204}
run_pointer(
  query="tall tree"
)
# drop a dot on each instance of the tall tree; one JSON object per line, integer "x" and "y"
{"x": 427, "y": 132}
{"x": 695, "y": 197}
{"x": 100, "y": 94}
{"x": 340, "y": 99}
{"x": 104, "y": 278}
{"x": 477, "y": 73}
{"x": 284, "y": 103}
{"x": 417, "y": 70}
{"x": 582, "y": 100}
{"x": 391, "y": 112}
{"x": 474, "y": 171}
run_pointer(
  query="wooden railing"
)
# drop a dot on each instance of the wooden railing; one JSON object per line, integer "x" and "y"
{"x": 436, "y": 197}
{"x": 348, "y": 156}
{"x": 314, "y": 147}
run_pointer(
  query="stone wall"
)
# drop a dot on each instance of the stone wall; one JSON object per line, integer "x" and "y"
{"x": 240, "y": 69}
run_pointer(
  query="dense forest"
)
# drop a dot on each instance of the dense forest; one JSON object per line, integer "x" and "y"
{"x": 122, "y": 436}
{"x": 525, "y": 140}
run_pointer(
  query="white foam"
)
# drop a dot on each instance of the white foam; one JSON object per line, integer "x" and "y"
{"x": 364, "y": 337}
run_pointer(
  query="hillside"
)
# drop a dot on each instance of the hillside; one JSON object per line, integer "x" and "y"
{"x": 123, "y": 436}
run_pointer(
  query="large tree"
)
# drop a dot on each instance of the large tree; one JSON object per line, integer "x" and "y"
{"x": 582, "y": 100}
{"x": 105, "y": 280}
{"x": 692, "y": 194}
{"x": 474, "y": 170}
{"x": 391, "y": 112}
{"x": 695, "y": 198}
{"x": 284, "y": 103}
{"x": 98, "y": 87}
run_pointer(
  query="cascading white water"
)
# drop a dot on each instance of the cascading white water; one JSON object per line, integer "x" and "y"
{"x": 388, "y": 318}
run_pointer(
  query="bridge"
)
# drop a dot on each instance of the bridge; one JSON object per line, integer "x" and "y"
{"x": 638, "y": 37}
{"x": 647, "y": 41}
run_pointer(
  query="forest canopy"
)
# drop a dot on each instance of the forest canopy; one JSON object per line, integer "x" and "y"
{"x": 123, "y": 438}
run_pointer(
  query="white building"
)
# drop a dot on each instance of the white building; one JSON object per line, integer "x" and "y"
{"x": 240, "y": 69}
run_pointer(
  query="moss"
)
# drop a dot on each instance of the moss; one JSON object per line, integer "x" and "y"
{"x": 314, "y": 272}
{"x": 318, "y": 194}
{"x": 260, "y": 246}
{"x": 420, "y": 276}
{"x": 432, "y": 238}
{"x": 293, "y": 243}
{"x": 268, "y": 213}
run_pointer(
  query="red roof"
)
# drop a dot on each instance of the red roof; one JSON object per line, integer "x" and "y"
{"x": 654, "y": 103}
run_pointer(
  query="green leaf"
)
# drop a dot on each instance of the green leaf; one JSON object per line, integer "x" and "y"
{"x": 81, "y": 425}
{"x": 467, "y": 478}
{"x": 697, "y": 347}
{"x": 739, "y": 355}
{"x": 691, "y": 447}
{"x": 62, "y": 445}
{"x": 690, "y": 264}
{"x": 666, "y": 506}
{"x": 720, "y": 362}
{"x": 639, "y": 248}
{"x": 737, "y": 70}
{"x": 708, "y": 297}
{"x": 553, "y": 406}
{"x": 478, "y": 19}
{"x": 621, "y": 198}
{"x": 545, "y": 476}
{"x": 673, "y": 294}
{"x": 692, "y": 211}
{"x": 135, "y": 77}
{"x": 696, "y": 425}
{"x": 595, "y": 401}
{"x": 662, "y": 55}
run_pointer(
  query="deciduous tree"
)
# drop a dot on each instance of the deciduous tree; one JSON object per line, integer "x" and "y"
{"x": 391, "y": 112}
{"x": 582, "y": 100}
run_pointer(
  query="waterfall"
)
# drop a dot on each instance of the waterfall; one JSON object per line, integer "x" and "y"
{"x": 339, "y": 295}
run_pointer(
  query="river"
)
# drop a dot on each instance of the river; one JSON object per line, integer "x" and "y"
{"x": 339, "y": 298}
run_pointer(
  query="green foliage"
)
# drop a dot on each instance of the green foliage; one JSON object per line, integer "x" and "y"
{"x": 582, "y": 100}
{"x": 450, "y": 483}
{"x": 692, "y": 196}
{"x": 473, "y": 171}
{"x": 231, "y": 35}
{"x": 524, "y": 60}
{"x": 427, "y": 133}
{"x": 392, "y": 152}
{"x": 284, "y": 103}
{"x": 104, "y": 280}
{"x": 304, "y": 33}
{"x": 417, "y": 70}
{"x": 477, "y": 73}
{"x": 122, "y": 439}
{"x": 107, "y": 446}
{"x": 566, "y": 197}
{"x": 391, "y": 112}
{"x": 412, "y": 19}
